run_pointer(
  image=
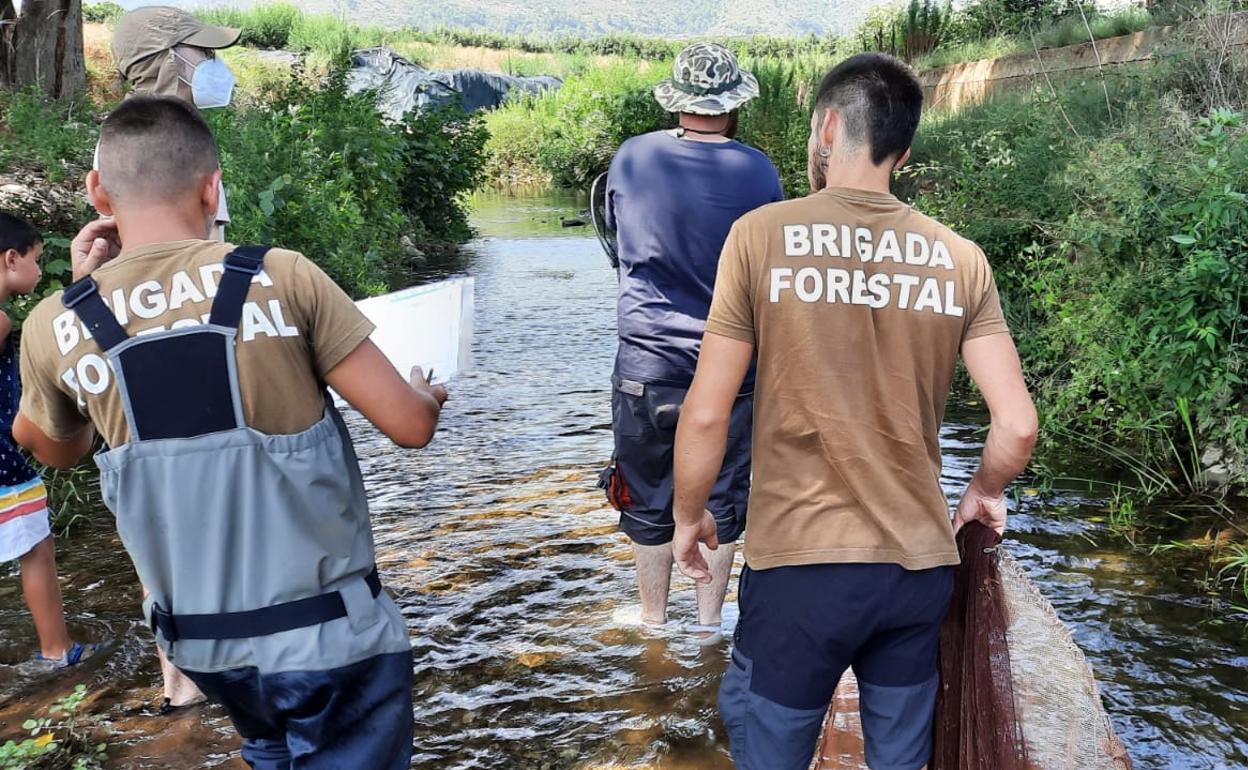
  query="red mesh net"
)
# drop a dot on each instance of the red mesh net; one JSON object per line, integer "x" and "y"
{"x": 1016, "y": 691}
{"x": 977, "y": 727}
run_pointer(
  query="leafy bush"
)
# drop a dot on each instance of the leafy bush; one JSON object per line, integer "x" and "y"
{"x": 102, "y": 13}
{"x": 778, "y": 121}
{"x": 318, "y": 170}
{"x": 49, "y": 138}
{"x": 576, "y": 130}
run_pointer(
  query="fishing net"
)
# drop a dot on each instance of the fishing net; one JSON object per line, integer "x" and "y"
{"x": 598, "y": 215}
{"x": 1017, "y": 693}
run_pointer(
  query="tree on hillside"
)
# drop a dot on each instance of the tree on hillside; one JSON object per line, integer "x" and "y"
{"x": 41, "y": 45}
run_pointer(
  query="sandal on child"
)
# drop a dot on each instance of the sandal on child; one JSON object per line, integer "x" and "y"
{"x": 76, "y": 654}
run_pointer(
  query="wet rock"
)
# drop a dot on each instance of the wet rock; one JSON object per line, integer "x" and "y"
{"x": 411, "y": 251}
{"x": 1218, "y": 469}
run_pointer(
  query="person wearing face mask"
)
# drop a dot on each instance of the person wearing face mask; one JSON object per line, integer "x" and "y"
{"x": 163, "y": 51}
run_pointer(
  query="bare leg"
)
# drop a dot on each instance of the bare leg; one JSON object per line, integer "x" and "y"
{"x": 179, "y": 689}
{"x": 711, "y": 595}
{"x": 654, "y": 580}
{"x": 42, "y": 590}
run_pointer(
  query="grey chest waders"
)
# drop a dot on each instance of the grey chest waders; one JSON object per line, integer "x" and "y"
{"x": 256, "y": 549}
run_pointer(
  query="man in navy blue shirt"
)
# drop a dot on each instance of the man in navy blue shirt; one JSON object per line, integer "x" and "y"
{"x": 672, "y": 197}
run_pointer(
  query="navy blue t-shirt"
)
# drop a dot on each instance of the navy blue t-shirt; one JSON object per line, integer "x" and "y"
{"x": 672, "y": 202}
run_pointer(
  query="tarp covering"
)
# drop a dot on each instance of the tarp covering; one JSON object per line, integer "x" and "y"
{"x": 403, "y": 86}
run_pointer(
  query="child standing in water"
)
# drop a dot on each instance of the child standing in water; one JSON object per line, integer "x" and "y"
{"x": 24, "y": 531}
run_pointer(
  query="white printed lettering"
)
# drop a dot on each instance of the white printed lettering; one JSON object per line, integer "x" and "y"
{"x": 808, "y": 284}
{"x": 279, "y": 319}
{"x": 781, "y": 279}
{"x": 183, "y": 290}
{"x": 93, "y": 374}
{"x": 907, "y": 283}
{"x": 929, "y": 296}
{"x": 66, "y": 330}
{"x": 147, "y": 300}
{"x": 951, "y": 306}
{"x": 889, "y": 248}
{"x": 796, "y": 241}
{"x": 838, "y": 285}
{"x": 917, "y": 250}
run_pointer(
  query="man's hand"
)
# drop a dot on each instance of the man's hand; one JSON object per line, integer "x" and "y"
{"x": 977, "y": 505}
{"x": 686, "y": 551}
{"x": 422, "y": 383}
{"x": 94, "y": 245}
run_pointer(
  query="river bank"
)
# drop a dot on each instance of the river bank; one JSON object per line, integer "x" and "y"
{"x": 517, "y": 588}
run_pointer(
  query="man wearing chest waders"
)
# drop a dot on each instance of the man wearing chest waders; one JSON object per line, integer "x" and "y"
{"x": 671, "y": 197}
{"x": 858, "y": 308}
{"x": 234, "y": 483}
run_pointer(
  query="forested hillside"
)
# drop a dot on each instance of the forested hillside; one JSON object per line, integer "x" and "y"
{"x": 591, "y": 17}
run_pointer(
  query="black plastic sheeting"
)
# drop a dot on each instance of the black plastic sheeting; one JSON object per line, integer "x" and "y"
{"x": 402, "y": 86}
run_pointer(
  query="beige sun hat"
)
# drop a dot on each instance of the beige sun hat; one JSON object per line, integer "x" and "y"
{"x": 706, "y": 80}
{"x": 145, "y": 32}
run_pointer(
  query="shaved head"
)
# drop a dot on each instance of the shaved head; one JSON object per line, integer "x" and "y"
{"x": 155, "y": 149}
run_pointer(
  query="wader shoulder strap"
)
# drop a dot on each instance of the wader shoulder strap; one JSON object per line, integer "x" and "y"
{"x": 83, "y": 297}
{"x": 241, "y": 266}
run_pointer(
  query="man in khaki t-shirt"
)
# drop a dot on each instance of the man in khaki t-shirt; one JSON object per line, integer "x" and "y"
{"x": 234, "y": 486}
{"x": 858, "y": 309}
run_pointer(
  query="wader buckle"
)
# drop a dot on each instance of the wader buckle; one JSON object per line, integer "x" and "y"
{"x": 163, "y": 621}
{"x": 78, "y": 291}
{"x": 241, "y": 263}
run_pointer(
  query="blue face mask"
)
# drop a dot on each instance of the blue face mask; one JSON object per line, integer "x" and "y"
{"x": 212, "y": 83}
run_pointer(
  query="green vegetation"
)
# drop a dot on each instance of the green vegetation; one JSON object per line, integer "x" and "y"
{"x": 594, "y": 18}
{"x": 67, "y": 740}
{"x": 571, "y": 134}
{"x": 316, "y": 169}
{"x": 307, "y": 165}
{"x": 102, "y": 13}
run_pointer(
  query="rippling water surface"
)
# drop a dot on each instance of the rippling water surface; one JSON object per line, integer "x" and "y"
{"x": 517, "y": 587}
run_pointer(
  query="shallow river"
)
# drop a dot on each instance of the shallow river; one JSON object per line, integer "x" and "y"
{"x": 517, "y": 588}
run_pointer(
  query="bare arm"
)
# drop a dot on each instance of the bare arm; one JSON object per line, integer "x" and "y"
{"x": 55, "y": 453}
{"x": 407, "y": 412}
{"x": 701, "y": 436}
{"x": 6, "y": 328}
{"x": 993, "y": 364}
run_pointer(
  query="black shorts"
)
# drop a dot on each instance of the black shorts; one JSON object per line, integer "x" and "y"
{"x": 640, "y": 484}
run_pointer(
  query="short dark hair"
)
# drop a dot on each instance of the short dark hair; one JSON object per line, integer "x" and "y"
{"x": 17, "y": 233}
{"x": 155, "y": 147}
{"x": 879, "y": 100}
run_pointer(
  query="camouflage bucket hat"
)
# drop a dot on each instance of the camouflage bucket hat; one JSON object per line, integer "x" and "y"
{"x": 706, "y": 80}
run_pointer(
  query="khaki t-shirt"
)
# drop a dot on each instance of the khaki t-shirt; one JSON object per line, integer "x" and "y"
{"x": 858, "y": 307}
{"x": 296, "y": 326}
